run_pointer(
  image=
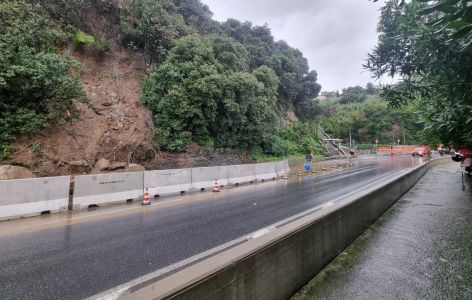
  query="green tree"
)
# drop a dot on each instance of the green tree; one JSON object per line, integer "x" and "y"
{"x": 197, "y": 15}
{"x": 205, "y": 92}
{"x": 370, "y": 120}
{"x": 426, "y": 43}
{"x": 35, "y": 82}
{"x": 152, "y": 26}
{"x": 298, "y": 85}
{"x": 353, "y": 94}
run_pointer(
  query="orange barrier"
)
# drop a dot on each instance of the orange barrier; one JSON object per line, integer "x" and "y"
{"x": 399, "y": 149}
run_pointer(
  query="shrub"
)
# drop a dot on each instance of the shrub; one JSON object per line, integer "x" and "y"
{"x": 81, "y": 38}
{"x": 35, "y": 82}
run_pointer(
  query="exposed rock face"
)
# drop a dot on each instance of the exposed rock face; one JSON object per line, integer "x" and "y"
{"x": 135, "y": 168}
{"x": 113, "y": 124}
{"x": 102, "y": 164}
{"x": 14, "y": 172}
{"x": 117, "y": 166}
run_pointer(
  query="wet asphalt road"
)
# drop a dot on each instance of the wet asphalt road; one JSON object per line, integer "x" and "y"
{"x": 81, "y": 260}
{"x": 420, "y": 249}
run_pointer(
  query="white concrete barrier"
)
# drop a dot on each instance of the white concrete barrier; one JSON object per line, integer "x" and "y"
{"x": 265, "y": 171}
{"x": 281, "y": 167}
{"x": 166, "y": 182}
{"x": 203, "y": 178}
{"x": 104, "y": 189}
{"x": 241, "y": 173}
{"x": 30, "y": 197}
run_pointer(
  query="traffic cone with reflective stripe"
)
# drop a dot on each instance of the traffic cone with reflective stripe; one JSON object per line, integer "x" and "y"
{"x": 284, "y": 175}
{"x": 216, "y": 186}
{"x": 146, "y": 199}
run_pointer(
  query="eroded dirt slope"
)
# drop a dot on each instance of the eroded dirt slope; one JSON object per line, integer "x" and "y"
{"x": 113, "y": 124}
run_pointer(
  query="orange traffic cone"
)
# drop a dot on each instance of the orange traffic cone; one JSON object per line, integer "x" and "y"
{"x": 146, "y": 199}
{"x": 216, "y": 186}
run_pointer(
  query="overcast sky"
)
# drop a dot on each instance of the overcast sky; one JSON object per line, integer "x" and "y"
{"x": 334, "y": 35}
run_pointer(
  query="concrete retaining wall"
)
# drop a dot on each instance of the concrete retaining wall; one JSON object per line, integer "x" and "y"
{"x": 241, "y": 174}
{"x": 277, "y": 264}
{"x": 30, "y": 197}
{"x": 166, "y": 182}
{"x": 105, "y": 189}
{"x": 203, "y": 178}
{"x": 265, "y": 171}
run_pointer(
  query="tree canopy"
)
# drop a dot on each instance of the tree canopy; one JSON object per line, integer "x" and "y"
{"x": 206, "y": 92}
{"x": 427, "y": 44}
{"x": 220, "y": 84}
{"x": 35, "y": 82}
{"x": 226, "y": 84}
{"x": 371, "y": 119}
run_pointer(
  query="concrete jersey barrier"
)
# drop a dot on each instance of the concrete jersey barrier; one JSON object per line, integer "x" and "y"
{"x": 282, "y": 167}
{"x": 289, "y": 256}
{"x": 30, "y": 197}
{"x": 241, "y": 173}
{"x": 103, "y": 189}
{"x": 203, "y": 178}
{"x": 166, "y": 182}
{"x": 265, "y": 171}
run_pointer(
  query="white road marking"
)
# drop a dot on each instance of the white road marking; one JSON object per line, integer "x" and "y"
{"x": 116, "y": 292}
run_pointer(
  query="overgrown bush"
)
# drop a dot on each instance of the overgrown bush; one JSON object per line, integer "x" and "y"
{"x": 370, "y": 120}
{"x": 152, "y": 26}
{"x": 299, "y": 139}
{"x": 204, "y": 92}
{"x": 81, "y": 38}
{"x": 35, "y": 82}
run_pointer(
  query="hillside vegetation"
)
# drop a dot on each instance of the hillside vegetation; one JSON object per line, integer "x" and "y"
{"x": 220, "y": 85}
{"x": 36, "y": 85}
{"x": 362, "y": 114}
{"x": 160, "y": 83}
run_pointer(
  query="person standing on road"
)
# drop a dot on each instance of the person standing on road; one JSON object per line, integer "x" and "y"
{"x": 309, "y": 157}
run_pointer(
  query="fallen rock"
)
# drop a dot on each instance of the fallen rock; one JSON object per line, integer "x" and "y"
{"x": 117, "y": 166}
{"x": 79, "y": 167}
{"x": 100, "y": 109}
{"x": 107, "y": 102}
{"x": 102, "y": 164}
{"x": 135, "y": 168}
{"x": 14, "y": 172}
{"x": 46, "y": 168}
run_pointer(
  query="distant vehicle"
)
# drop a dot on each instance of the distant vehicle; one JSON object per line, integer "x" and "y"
{"x": 443, "y": 151}
{"x": 421, "y": 152}
{"x": 464, "y": 156}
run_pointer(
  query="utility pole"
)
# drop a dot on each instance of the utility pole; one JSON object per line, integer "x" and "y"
{"x": 404, "y": 139}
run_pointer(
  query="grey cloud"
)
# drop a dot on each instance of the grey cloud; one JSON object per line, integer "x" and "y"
{"x": 334, "y": 35}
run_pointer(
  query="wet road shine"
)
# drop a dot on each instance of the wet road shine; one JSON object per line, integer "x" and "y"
{"x": 79, "y": 258}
